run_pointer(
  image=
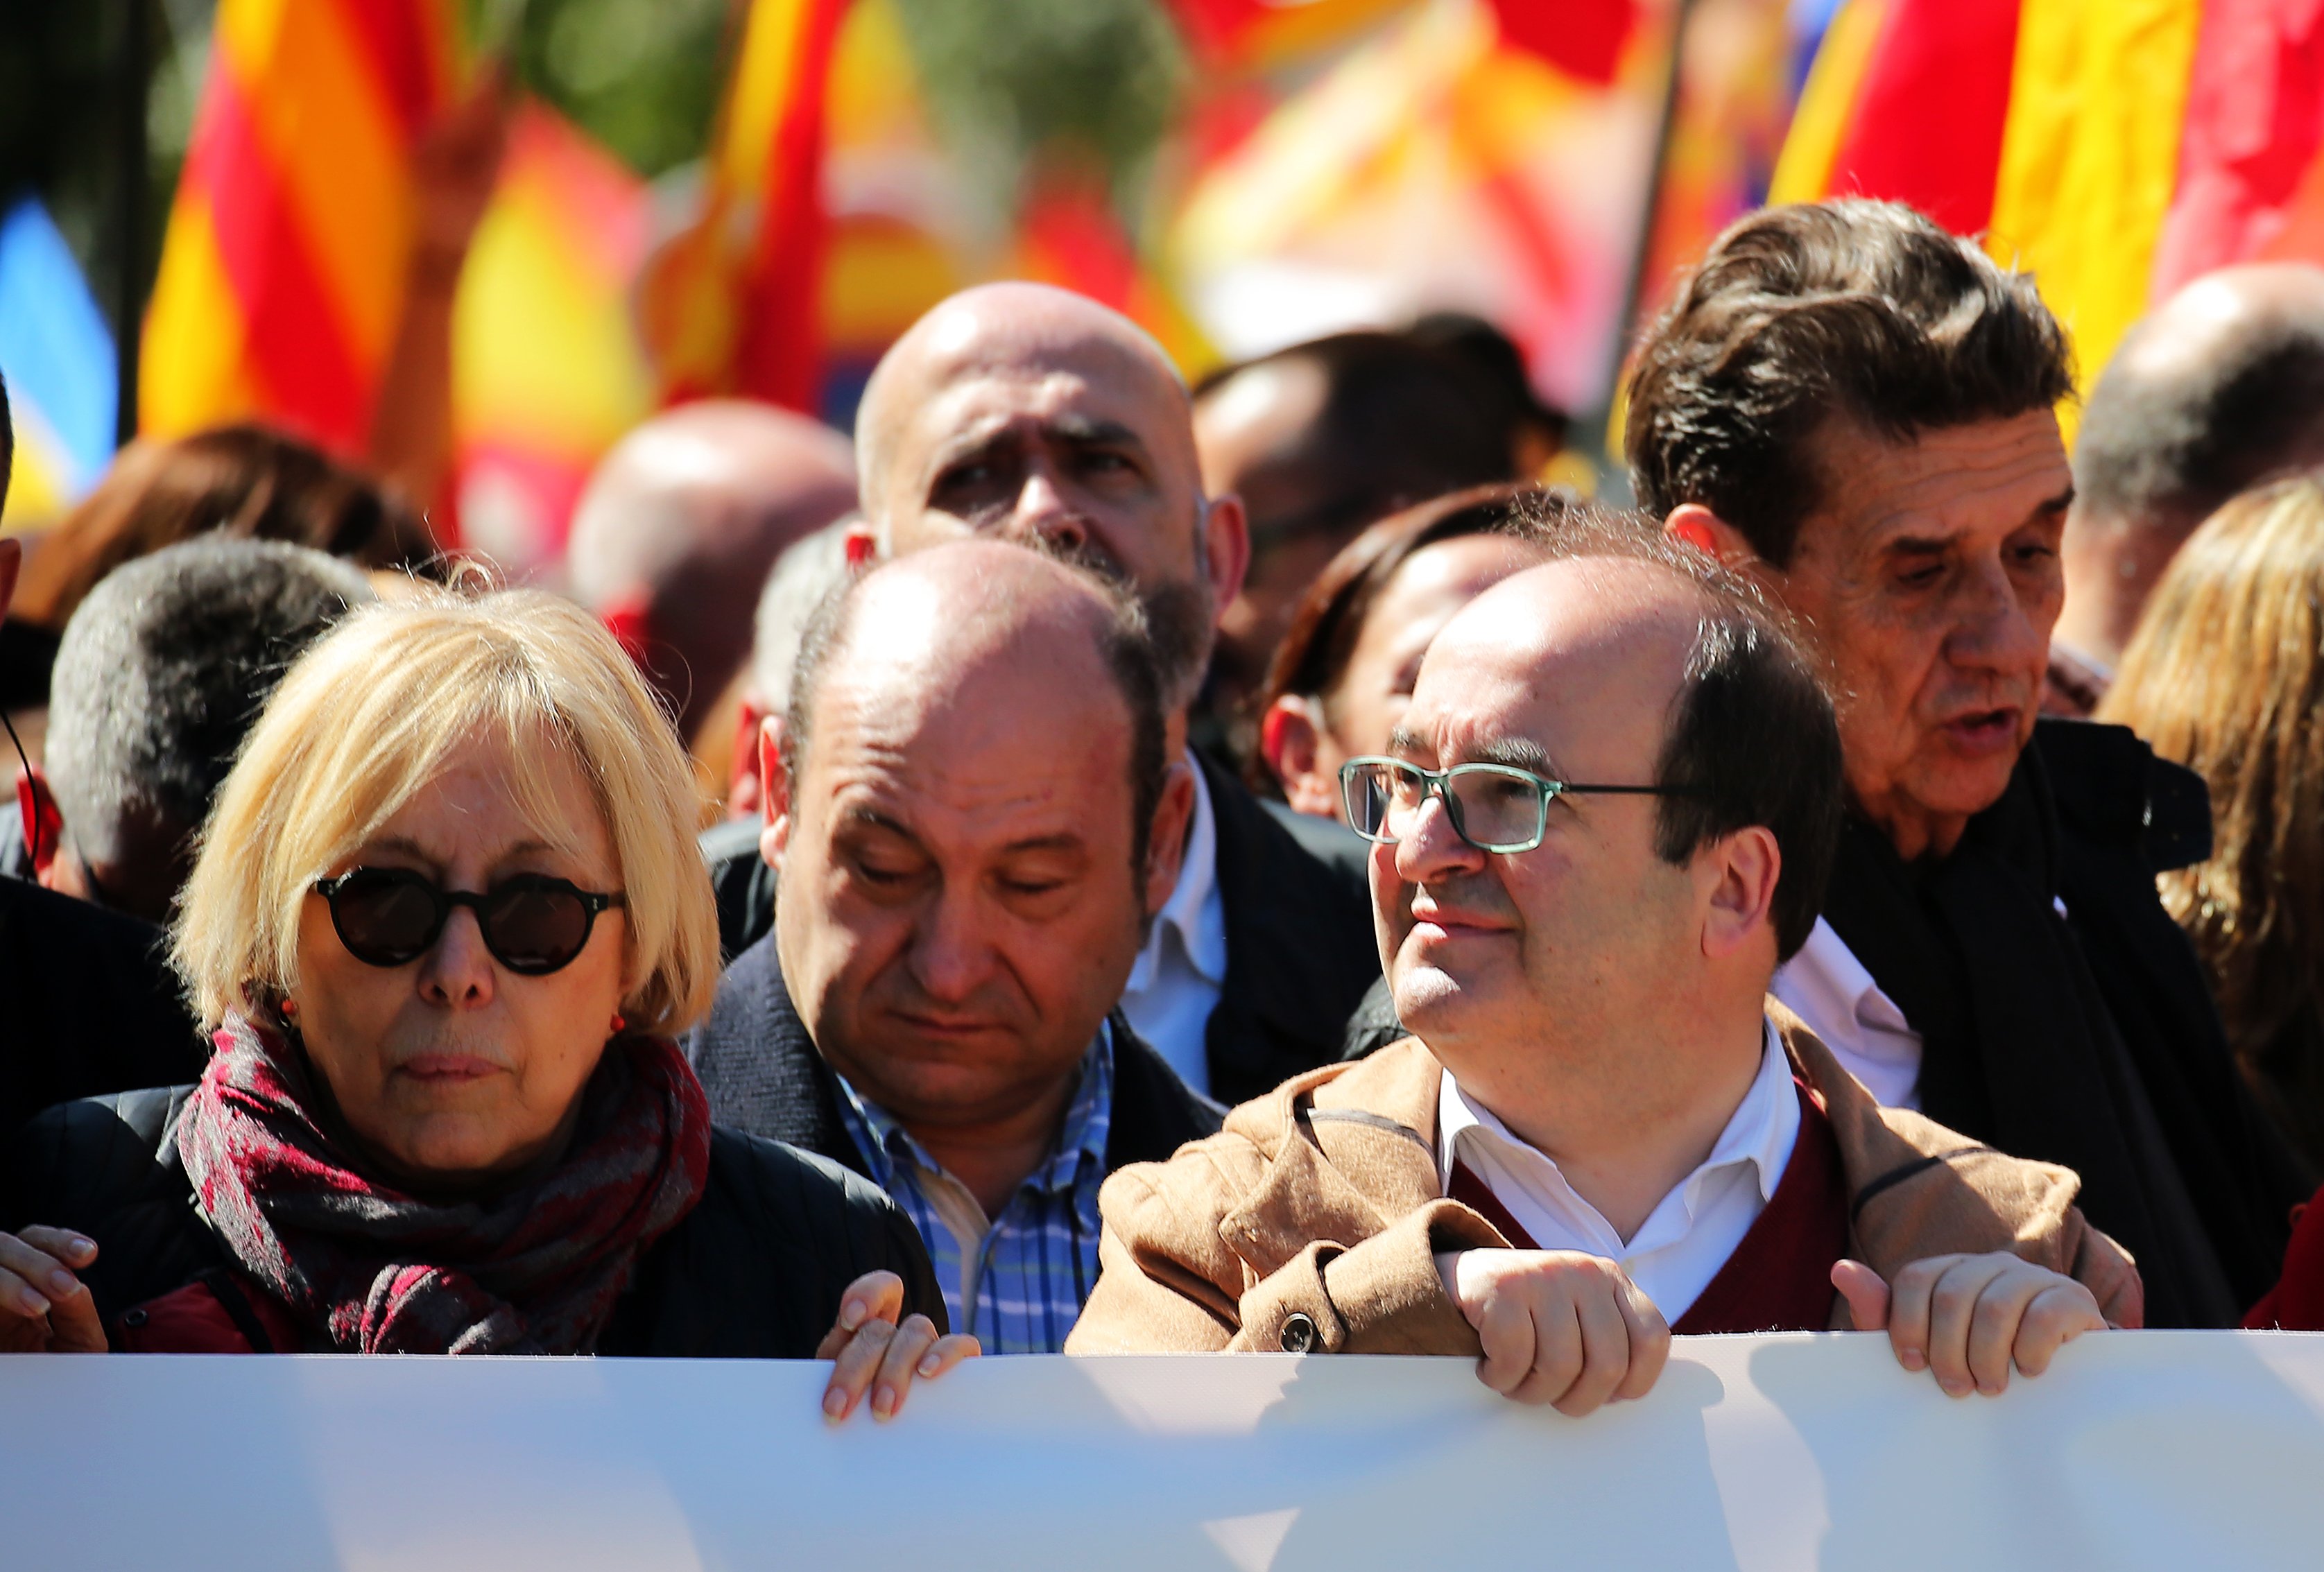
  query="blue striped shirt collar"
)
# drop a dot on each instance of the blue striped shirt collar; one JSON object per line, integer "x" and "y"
{"x": 1081, "y": 1138}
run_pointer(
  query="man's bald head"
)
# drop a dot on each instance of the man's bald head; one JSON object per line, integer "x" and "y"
{"x": 1026, "y": 635}
{"x": 1663, "y": 637}
{"x": 1008, "y": 328}
{"x": 681, "y": 522}
{"x": 1027, "y": 413}
{"x": 2220, "y": 387}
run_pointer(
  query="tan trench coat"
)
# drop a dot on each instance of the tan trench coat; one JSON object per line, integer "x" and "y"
{"x": 1313, "y": 1220}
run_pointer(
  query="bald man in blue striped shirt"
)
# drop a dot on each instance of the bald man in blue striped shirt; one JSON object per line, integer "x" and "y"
{"x": 973, "y": 821}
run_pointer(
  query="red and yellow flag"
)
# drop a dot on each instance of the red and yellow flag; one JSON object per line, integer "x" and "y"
{"x": 281, "y": 273}
{"x": 732, "y": 306}
{"x": 2115, "y": 148}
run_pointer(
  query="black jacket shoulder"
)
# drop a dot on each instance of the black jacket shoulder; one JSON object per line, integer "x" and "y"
{"x": 758, "y": 1066}
{"x": 755, "y": 1270}
{"x": 2112, "y": 790}
{"x": 107, "y": 1167}
{"x": 741, "y": 882}
{"x": 1300, "y": 949}
{"x": 92, "y": 1006}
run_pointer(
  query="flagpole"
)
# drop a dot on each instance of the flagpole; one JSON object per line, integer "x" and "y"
{"x": 1594, "y": 433}
{"x": 129, "y": 305}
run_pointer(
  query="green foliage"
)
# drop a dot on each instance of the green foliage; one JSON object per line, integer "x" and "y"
{"x": 643, "y": 76}
{"x": 1014, "y": 84}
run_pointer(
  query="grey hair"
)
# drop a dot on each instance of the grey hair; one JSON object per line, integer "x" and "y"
{"x": 165, "y": 665}
{"x": 806, "y": 572}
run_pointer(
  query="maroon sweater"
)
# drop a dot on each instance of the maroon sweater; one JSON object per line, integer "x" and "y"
{"x": 1779, "y": 1279}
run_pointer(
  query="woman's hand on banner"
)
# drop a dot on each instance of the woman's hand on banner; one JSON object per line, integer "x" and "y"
{"x": 872, "y": 1349}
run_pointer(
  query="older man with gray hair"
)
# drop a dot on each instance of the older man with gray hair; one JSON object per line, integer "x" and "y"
{"x": 162, "y": 670}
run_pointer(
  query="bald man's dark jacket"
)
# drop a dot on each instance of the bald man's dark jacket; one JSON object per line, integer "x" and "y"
{"x": 1300, "y": 951}
{"x": 763, "y": 1074}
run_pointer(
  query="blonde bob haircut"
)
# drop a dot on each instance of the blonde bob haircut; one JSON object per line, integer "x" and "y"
{"x": 370, "y": 715}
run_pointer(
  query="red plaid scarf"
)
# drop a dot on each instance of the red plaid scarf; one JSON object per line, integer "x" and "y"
{"x": 535, "y": 1269}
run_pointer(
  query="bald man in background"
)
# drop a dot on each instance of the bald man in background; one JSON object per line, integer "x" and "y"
{"x": 1022, "y": 412}
{"x": 1321, "y": 439}
{"x": 679, "y": 525}
{"x": 2219, "y": 388}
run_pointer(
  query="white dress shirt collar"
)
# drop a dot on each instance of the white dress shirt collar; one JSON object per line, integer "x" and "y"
{"x": 1175, "y": 984}
{"x": 1691, "y": 1232}
{"x": 1193, "y": 912}
{"x": 1827, "y": 986}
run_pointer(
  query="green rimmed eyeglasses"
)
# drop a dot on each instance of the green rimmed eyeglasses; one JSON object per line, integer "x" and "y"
{"x": 1494, "y": 807}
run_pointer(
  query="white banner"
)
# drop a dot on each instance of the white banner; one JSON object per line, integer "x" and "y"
{"x": 2149, "y": 1449}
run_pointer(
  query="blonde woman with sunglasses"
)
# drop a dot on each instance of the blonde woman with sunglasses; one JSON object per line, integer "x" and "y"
{"x": 446, "y": 921}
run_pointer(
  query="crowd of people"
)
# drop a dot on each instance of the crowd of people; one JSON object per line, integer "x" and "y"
{"x": 1246, "y": 867}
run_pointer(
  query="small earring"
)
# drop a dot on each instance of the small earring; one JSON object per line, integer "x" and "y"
{"x": 619, "y": 1023}
{"x": 290, "y": 1009}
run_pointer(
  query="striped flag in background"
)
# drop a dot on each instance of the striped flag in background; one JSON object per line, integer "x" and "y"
{"x": 2115, "y": 148}
{"x": 281, "y": 273}
{"x": 57, "y": 359}
{"x": 732, "y": 306}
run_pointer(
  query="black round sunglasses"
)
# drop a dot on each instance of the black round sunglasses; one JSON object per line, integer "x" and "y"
{"x": 533, "y": 923}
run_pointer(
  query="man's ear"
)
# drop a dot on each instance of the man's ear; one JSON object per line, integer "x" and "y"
{"x": 744, "y": 783}
{"x": 11, "y": 558}
{"x": 1746, "y": 867}
{"x": 1692, "y": 524}
{"x": 1227, "y": 537}
{"x": 774, "y": 793}
{"x": 1165, "y": 846}
{"x": 1288, "y": 740}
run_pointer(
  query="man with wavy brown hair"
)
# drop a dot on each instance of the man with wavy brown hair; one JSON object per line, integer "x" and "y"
{"x": 1856, "y": 409}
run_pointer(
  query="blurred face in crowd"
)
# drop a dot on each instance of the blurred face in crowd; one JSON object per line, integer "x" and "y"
{"x": 451, "y": 1069}
{"x": 958, "y": 908}
{"x": 1572, "y": 949}
{"x": 1022, "y": 411}
{"x": 1358, "y": 715}
{"x": 1930, "y": 577}
{"x": 1248, "y": 431}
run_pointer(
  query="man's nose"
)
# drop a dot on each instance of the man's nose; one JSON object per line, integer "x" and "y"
{"x": 458, "y": 971}
{"x": 951, "y": 951}
{"x": 1044, "y": 514}
{"x": 1994, "y": 629}
{"x": 1431, "y": 849}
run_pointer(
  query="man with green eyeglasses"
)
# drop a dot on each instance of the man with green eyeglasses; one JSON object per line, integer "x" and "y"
{"x": 1606, "y": 818}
